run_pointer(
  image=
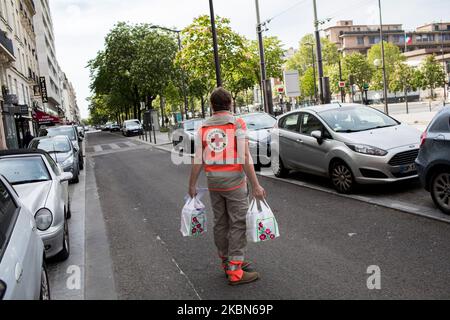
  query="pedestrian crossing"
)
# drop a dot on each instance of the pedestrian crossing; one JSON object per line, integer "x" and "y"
{"x": 100, "y": 148}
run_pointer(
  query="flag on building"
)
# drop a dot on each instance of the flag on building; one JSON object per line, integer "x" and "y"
{"x": 408, "y": 39}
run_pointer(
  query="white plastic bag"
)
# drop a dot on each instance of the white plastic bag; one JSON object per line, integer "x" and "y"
{"x": 261, "y": 225}
{"x": 193, "y": 217}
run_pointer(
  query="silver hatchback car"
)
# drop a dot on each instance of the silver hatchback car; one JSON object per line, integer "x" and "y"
{"x": 43, "y": 189}
{"x": 23, "y": 274}
{"x": 348, "y": 143}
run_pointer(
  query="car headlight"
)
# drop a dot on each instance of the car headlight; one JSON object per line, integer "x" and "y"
{"x": 67, "y": 162}
{"x": 44, "y": 219}
{"x": 364, "y": 149}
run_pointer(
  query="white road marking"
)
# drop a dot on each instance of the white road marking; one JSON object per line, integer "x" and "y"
{"x": 98, "y": 149}
{"x": 178, "y": 267}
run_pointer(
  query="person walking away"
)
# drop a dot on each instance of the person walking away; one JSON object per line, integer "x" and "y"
{"x": 222, "y": 150}
{"x": 27, "y": 139}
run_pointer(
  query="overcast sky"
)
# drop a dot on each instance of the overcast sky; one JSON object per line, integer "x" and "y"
{"x": 81, "y": 25}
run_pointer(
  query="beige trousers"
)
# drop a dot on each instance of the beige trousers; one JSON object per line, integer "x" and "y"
{"x": 230, "y": 212}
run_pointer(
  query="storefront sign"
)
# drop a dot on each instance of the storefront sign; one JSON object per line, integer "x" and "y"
{"x": 43, "y": 118}
{"x": 43, "y": 85}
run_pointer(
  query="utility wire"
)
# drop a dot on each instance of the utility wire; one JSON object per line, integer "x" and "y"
{"x": 285, "y": 11}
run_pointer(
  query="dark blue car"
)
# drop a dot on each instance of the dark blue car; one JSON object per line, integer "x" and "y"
{"x": 433, "y": 162}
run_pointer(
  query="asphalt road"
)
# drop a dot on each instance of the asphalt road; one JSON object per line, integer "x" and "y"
{"x": 327, "y": 242}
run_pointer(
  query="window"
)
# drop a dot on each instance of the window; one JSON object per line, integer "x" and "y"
{"x": 374, "y": 39}
{"x": 8, "y": 217}
{"x": 23, "y": 170}
{"x": 361, "y": 40}
{"x": 309, "y": 124}
{"x": 355, "y": 119}
{"x": 441, "y": 125}
{"x": 290, "y": 122}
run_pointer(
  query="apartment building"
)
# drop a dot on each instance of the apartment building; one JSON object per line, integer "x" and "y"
{"x": 50, "y": 72}
{"x": 350, "y": 37}
{"x": 18, "y": 70}
{"x": 69, "y": 102}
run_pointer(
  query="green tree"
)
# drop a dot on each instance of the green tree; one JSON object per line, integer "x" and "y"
{"x": 153, "y": 68}
{"x": 405, "y": 78}
{"x": 307, "y": 85}
{"x": 393, "y": 57}
{"x": 303, "y": 58}
{"x": 274, "y": 58}
{"x": 356, "y": 64}
{"x": 433, "y": 74}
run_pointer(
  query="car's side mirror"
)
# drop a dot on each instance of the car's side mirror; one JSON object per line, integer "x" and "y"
{"x": 66, "y": 176}
{"x": 80, "y": 139}
{"x": 317, "y": 135}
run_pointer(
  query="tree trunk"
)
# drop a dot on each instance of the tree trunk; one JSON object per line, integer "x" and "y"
{"x": 203, "y": 107}
{"x": 406, "y": 100}
{"x": 163, "y": 106}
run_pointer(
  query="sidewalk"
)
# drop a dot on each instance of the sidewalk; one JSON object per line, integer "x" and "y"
{"x": 162, "y": 138}
{"x": 419, "y": 120}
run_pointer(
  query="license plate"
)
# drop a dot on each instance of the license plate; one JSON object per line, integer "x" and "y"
{"x": 409, "y": 168}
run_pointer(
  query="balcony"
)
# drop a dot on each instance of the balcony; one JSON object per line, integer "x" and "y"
{"x": 6, "y": 48}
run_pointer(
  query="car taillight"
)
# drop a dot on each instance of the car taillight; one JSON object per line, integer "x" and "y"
{"x": 423, "y": 137}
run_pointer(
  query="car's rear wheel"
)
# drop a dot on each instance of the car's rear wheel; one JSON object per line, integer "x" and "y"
{"x": 278, "y": 168}
{"x": 440, "y": 191}
{"x": 342, "y": 177}
{"x": 65, "y": 252}
{"x": 45, "y": 285}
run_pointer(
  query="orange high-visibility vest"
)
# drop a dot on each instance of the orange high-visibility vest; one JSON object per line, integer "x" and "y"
{"x": 221, "y": 160}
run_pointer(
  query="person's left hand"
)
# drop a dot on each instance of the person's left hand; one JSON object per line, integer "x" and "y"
{"x": 193, "y": 192}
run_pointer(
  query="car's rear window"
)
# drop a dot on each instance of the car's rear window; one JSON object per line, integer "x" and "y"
{"x": 61, "y": 131}
{"x": 23, "y": 170}
{"x": 441, "y": 124}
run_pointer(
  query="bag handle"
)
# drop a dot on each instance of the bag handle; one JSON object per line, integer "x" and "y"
{"x": 262, "y": 203}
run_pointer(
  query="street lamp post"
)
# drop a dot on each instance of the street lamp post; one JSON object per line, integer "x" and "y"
{"x": 183, "y": 80}
{"x": 314, "y": 69}
{"x": 265, "y": 85}
{"x": 443, "y": 65}
{"x": 386, "y": 105}
{"x": 340, "y": 76}
{"x": 319, "y": 53}
{"x": 216, "y": 49}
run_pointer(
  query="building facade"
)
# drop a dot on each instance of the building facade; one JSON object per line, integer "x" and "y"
{"x": 360, "y": 38}
{"x": 46, "y": 53}
{"x": 69, "y": 102}
{"x": 19, "y": 70}
{"x": 32, "y": 83}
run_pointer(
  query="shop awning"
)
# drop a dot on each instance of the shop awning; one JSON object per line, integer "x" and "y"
{"x": 43, "y": 118}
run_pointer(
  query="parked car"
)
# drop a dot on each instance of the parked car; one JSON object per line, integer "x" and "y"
{"x": 23, "y": 273}
{"x": 81, "y": 131}
{"x": 132, "y": 127}
{"x": 114, "y": 127}
{"x": 107, "y": 126}
{"x": 433, "y": 161}
{"x": 259, "y": 127}
{"x": 60, "y": 148}
{"x": 183, "y": 137}
{"x": 72, "y": 133}
{"x": 43, "y": 189}
{"x": 348, "y": 143}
